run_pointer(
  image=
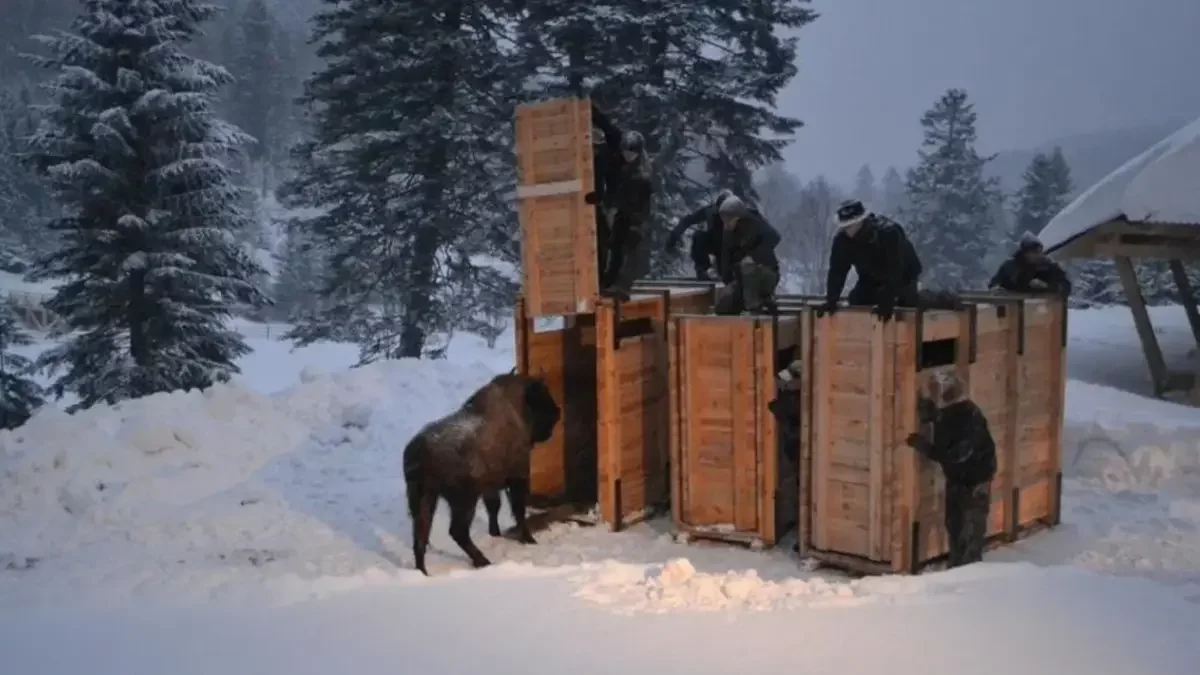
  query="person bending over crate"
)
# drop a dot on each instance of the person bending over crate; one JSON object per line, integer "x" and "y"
{"x": 955, "y": 434}
{"x": 622, "y": 197}
{"x": 880, "y": 252}
{"x": 1030, "y": 271}
{"x": 706, "y": 244}
{"x": 749, "y": 266}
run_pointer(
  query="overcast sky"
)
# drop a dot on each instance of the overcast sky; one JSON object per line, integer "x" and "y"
{"x": 1036, "y": 70}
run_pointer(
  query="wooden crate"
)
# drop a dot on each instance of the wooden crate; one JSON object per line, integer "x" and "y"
{"x": 732, "y": 481}
{"x": 608, "y": 370}
{"x": 875, "y": 504}
{"x": 555, "y": 172}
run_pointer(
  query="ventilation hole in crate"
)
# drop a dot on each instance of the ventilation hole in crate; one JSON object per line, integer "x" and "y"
{"x": 631, "y": 328}
{"x": 939, "y": 353}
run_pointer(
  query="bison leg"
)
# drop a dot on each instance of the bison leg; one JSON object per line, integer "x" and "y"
{"x": 423, "y": 520}
{"x": 518, "y": 493}
{"x": 491, "y": 501}
{"x": 462, "y": 512}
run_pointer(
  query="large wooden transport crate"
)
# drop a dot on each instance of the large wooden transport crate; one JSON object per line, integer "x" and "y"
{"x": 558, "y": 228}
{"x": 608, "y": 371}
{"x": 734, "y": 479}
{"x": 878, "y": 506}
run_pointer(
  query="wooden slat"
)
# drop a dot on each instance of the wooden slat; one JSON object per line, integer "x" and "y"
{"x": 875, "y": 443}
{"x": 555, "y": 171}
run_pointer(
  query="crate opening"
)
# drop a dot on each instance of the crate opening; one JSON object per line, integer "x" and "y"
{"x": 937, "y": 353}
{"x": 636, "y": 327}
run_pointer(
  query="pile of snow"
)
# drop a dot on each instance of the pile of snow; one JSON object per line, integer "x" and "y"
{"x": 193, "y": 484}
{"x": 677, "y": 585}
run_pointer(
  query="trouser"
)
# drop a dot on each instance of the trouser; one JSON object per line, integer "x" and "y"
{"x": 967, "y": 510}
{"x": 752, "y": 290}
{"x": 603, "y": 238}
{"x": 701, "y": 261}
{"x": 627, "y": 253}
{"x": 867, "y": 292}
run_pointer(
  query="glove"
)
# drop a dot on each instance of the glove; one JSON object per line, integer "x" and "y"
{"x": 829, "y": 308}
{"x": 590, "y": 198}
{"x": 673, "y": 241}
{"x": 885, "y": 310}
{"x": 916, "y": 441}
{"x": 713, "y": 274}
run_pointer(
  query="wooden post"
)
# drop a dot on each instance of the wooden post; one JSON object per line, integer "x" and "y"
{"x": 1141, "y": 320}
{"x": 1187, "y": 295}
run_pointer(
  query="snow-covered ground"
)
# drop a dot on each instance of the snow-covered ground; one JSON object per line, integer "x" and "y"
{"x": 259, "y": 527}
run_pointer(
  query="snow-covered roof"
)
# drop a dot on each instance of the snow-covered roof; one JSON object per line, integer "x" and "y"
{"x": 1161, "y": 185}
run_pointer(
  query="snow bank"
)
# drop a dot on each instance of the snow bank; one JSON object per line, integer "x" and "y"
{"x": 201, "y": 481}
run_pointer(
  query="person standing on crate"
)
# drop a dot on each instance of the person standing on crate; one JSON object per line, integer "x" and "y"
{"x": 622, "y": 199}
{"x": 1030, "y": 271}
{"x": 880, "y": 252}
{"x": 955, "y": 434}
{"x": 749, "y": 265}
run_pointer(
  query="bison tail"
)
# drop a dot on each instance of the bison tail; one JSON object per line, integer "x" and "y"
{"x": 414, "y": 473}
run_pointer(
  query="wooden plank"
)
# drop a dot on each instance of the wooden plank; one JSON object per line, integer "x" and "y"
{"x": 608, "y": 440}
{"x": 822, "y": 449}
{"x": 807, "y": 407}
{"x": 555, "y": 171}
{"x": 744, "y": 454}
{"x": 1187, "y": 296}
{"x": 678, "y": 393}
{"x": 1141, "y": 321}
{"x": 875, "y": 443}
{"x": 768, "y": 443}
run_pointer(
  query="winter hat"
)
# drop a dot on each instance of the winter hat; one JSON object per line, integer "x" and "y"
{"x": 732, "y": 207}
{"x": 1029, "y": 242}
{"x": 851, "y": 212}
{"x": 632, "y": 141}
{"x": 722, "y": 196}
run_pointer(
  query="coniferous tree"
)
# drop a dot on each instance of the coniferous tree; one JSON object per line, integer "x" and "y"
{"x": 864, "y": 187}
{"x": 410, "y": 168}
{"x": 893, "y": 195}
{"x": 1045, "y": 191}
{"x": 651, "y": 64}
{"x": 300, "y": 277}
{"x": 137, "y": 159}
{"x": 20, "y": 396}
{"x": 259, "y": 94}
{"x": 950, "y": 198}
{"x": 24, "y": 200}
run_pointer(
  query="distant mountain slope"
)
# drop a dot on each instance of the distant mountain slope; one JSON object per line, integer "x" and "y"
{"x": 1091, "y": 156}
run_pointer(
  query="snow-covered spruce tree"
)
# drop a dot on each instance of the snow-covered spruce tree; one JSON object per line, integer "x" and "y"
{"x": 137, "y": 160}
{"x": 893, "y": 198}
{"x": 1045, "y": 190}
{"x": 259, "y": 97}
{"x": 864, "y": 187}
{"x": 410, "y": 167}
{"x": 698, "y": 79}
{"x": 950, "y": 199}
{"x": 20, "y": 396}
{"x": 24, "y": 200}
{"x": 300, "y": 278}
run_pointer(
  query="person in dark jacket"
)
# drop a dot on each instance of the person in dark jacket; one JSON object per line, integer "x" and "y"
{"x": 705, "y": 250}
{"x": 880, "y": 252}
{"x": 623, "y": 199}
{"x": 749, "y": 265}
{"x": 955, "y": 434}
{"x": 1029, "y": 270}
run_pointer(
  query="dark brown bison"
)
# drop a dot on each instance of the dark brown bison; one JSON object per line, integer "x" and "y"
{"x": 478, "y": 450}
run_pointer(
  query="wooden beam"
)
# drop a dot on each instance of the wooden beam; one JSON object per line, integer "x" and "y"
{"x": 1141, "y": 320}
{"x": 1189, "y": 251}
{"x": 1187, "y": 295}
